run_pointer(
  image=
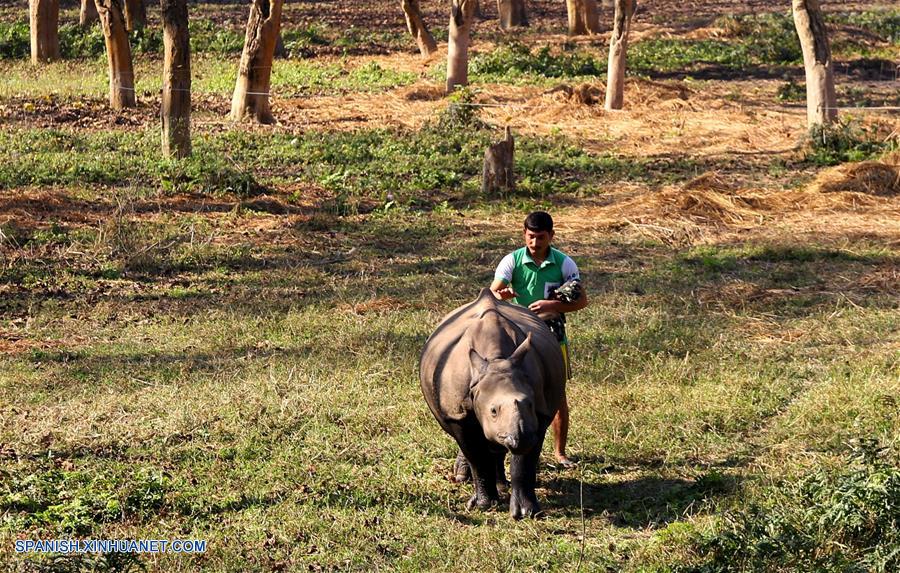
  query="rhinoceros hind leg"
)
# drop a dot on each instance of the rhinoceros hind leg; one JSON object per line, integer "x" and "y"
{"x": 461, "y": 471}
{"x": 502, "y": 482}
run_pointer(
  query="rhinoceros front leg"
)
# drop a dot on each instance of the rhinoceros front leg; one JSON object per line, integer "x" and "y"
{"x": 462, "y": 473}
{"x": 523, "y": 471}
{"x": 482, "y": 463}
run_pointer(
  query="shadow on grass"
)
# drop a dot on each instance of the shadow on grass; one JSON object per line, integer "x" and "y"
{"x": 648, "y": 501}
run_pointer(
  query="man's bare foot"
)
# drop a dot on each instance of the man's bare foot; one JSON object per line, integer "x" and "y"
{"x": 565, "y": 461}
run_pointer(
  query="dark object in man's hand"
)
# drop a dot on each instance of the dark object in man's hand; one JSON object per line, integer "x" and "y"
{"x": 569, "y": 291}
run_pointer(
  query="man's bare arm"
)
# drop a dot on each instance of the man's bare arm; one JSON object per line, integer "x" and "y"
{"x": 502, "y": 290}
{"x": 540, "y": 306}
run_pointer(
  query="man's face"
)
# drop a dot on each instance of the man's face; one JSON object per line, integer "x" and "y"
{"x": 538, "y": 242}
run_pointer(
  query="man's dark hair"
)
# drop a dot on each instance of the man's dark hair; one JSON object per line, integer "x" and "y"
{"x": 539, "y": 221}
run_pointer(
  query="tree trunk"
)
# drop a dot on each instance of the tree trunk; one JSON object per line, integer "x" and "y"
{"x": 176, "y": 95}
{"x": 618, "y": 46}
{"x": 512, "y": 14}
{"x": 88, "y": 14}
{"x": 44, "y": 16}
{"x": 497, "y": 173}
{"x": 118, "y": 53}
{"x": 821, "y": 101}
{"x": 584, "y": 18}
{"x": 461, "y": 17}
{"x": 135, "y": 15}
{"x": 251, "y": 94}
{"x": 416, "y": 26}
{"x": 280, "y": 50}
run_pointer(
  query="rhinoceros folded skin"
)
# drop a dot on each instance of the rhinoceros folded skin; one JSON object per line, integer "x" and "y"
{"x": 493, "y": 375}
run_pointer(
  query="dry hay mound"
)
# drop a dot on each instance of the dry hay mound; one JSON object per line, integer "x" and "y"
{"x": 429, "y": 92}
{"x": 583, "y": 94}
{"x": 709, "y": 198}
{"x": 707, "y": 206}
{"x": 868, "y": 177}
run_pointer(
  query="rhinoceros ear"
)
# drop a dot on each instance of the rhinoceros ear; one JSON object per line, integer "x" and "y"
{"x": 478, "y": 364}
{"x": 519, "y": 353}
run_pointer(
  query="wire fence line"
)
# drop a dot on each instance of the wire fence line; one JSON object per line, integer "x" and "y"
{"x": 275, "y": 95}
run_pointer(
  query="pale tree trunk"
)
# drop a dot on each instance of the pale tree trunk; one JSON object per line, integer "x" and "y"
{"x": 512, "y": 14}
{"x": 44, "y": 17}
{"x": 88, "y": 13}
{"x": 618, "y": 47}
{"x": 416, "y": 26}
{"x": 821, "y": 101}
{"x": 584, "y": 18}
{"x": 118, "y": 53}
{"x": 462, "y": 13}
{"x": 176, "y": 94}
{"x": 251, "y": 94}
{"x": 135, "y": 15}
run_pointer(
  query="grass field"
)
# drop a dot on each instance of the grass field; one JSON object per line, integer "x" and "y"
{"x": 225, "y": 348}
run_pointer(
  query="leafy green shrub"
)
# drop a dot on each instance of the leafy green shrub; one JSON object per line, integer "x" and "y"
{"x": 883, "y": 23}
{"x": 299, "y": 41}
{"x": 518, "y": 60}
{"x": 846, "y": 521}
{"x": 461, "y": 111}
{"x": 791, "y": 91}
{"x": 666, "y": 55}
{"x": 767, "y": 38}
{"x": 208, "y": 171}
{"x": 208, "y": 36}
{"x": 845, "y": 141}
{"x": 76, "y": 502}
{"x": 78, "y": 42}
{"x": 15, "y": 41}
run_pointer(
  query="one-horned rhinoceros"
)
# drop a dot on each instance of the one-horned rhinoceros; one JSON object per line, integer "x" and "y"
{"x": 493, "y": 375}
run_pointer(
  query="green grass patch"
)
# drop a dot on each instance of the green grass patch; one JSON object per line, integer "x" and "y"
{"x": 847, "y": 140}
{"x": 352, "y": 165}
{"x": 828, "y": 520}
{"x": 518, "y": 62}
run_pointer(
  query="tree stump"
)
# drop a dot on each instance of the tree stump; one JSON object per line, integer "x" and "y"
{"x": 497, "y": 174}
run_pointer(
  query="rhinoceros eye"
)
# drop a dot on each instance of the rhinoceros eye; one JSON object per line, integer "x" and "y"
{"x": 494, "y": 411}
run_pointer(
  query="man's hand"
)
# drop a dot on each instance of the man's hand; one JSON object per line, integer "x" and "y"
{"x": 505, "y": 293}
{"x": 540, "y": 306}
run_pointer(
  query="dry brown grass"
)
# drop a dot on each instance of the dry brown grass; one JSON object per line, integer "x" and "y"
{"x": 868, "y": 177}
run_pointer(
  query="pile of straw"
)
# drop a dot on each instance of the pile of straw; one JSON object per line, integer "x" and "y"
{"x": 867, "y": 177}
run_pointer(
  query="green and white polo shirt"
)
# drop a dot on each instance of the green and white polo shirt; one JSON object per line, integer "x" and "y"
{"x": 532, "y": 282}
